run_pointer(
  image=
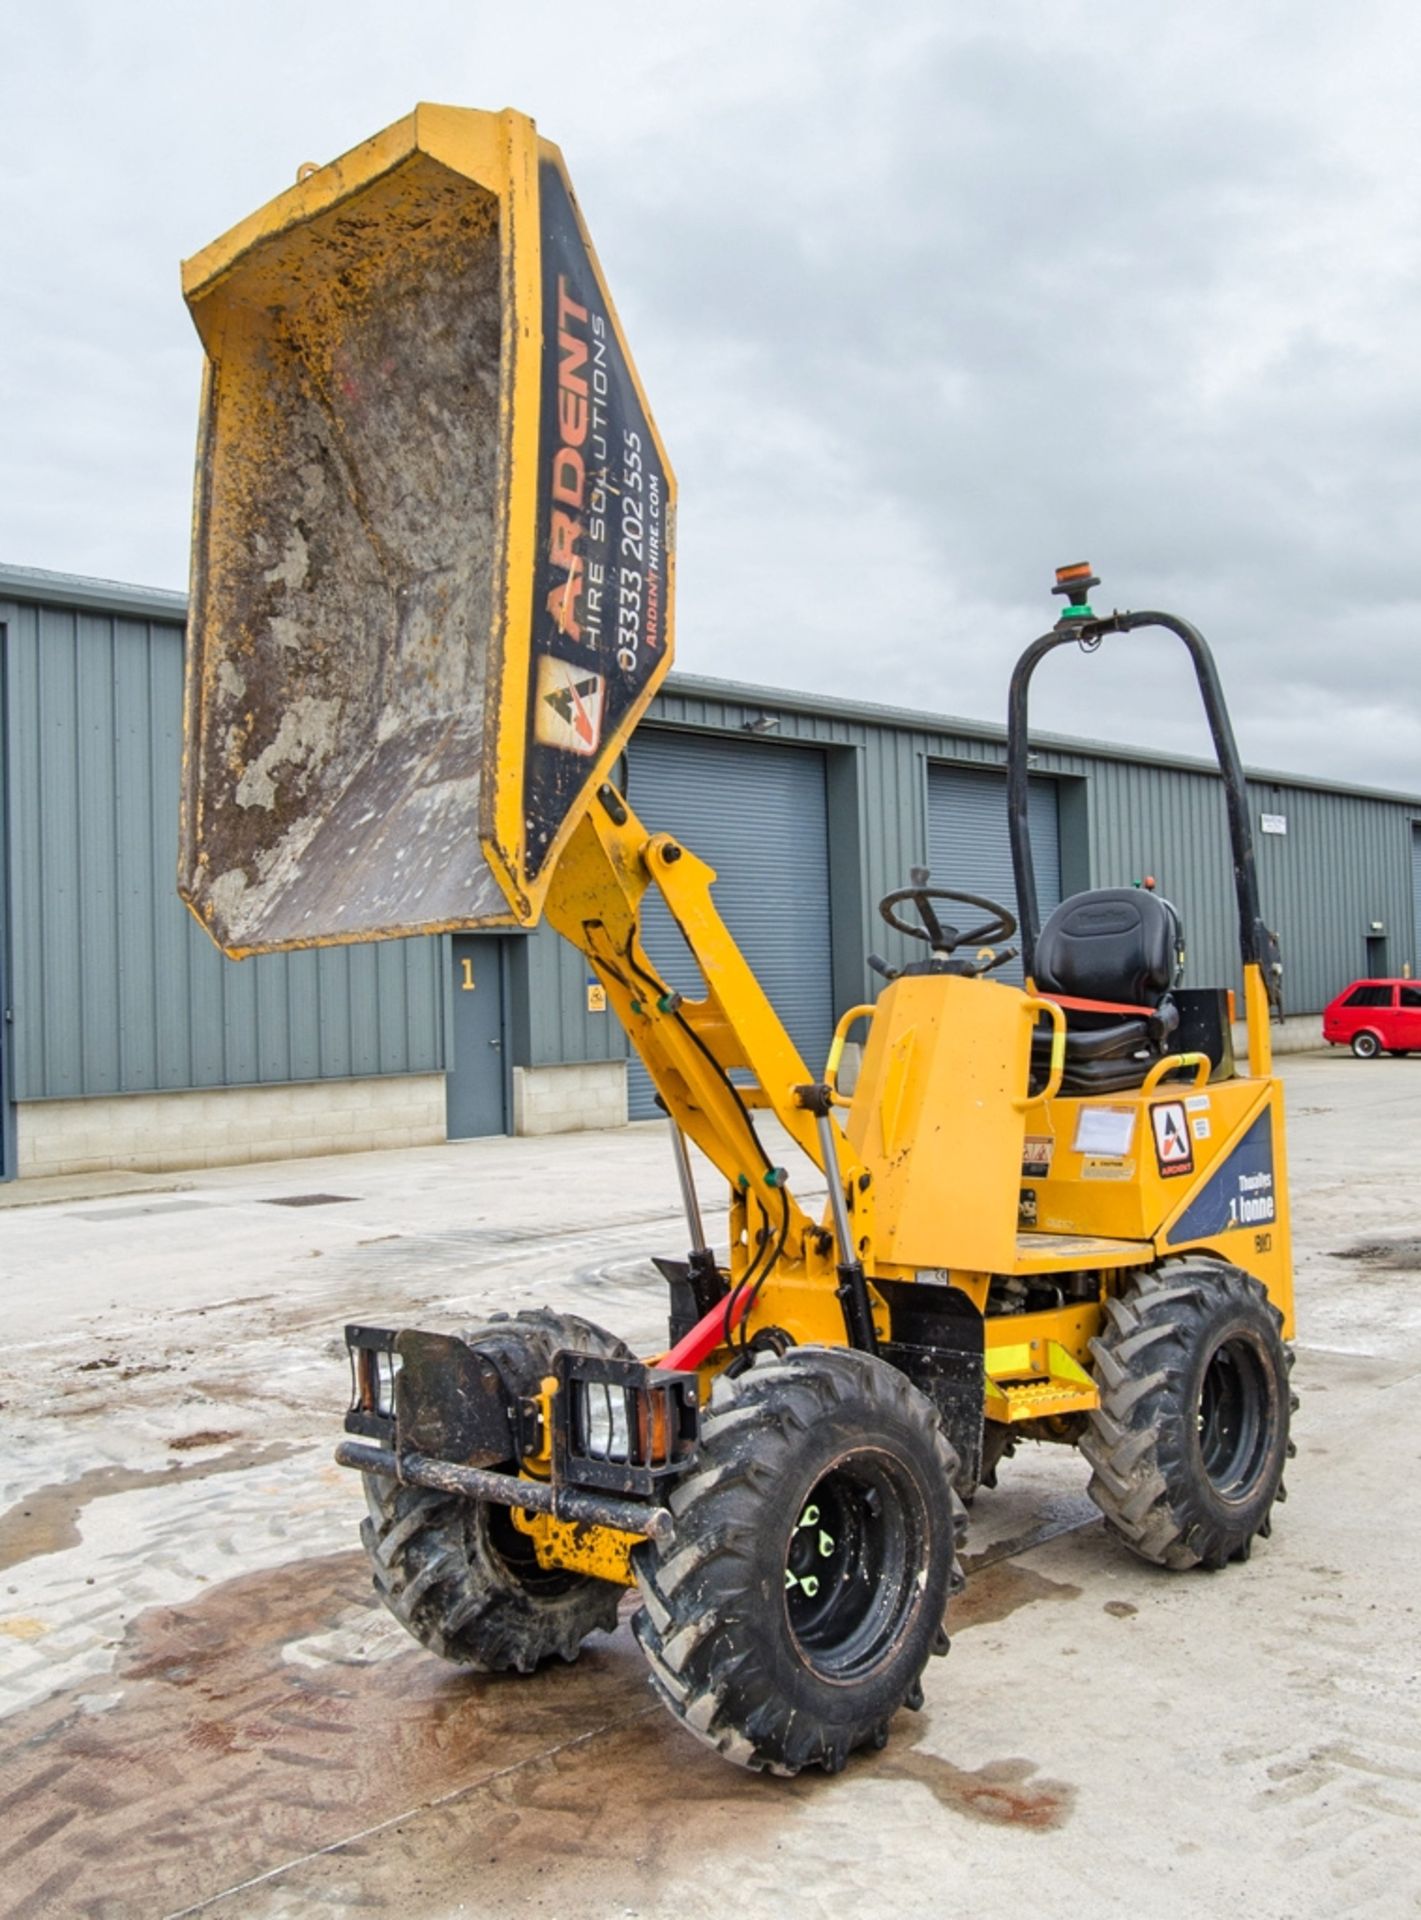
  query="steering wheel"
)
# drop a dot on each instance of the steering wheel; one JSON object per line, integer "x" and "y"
{"x": 945, "y": 940}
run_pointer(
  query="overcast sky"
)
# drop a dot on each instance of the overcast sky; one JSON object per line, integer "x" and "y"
{"x": 927, "y": 299}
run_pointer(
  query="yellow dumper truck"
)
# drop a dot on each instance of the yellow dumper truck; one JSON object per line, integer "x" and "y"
{"x": 433, "y": 574}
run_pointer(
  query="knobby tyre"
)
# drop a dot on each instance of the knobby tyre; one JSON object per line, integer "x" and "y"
{"x": 1190, "y": 1440}
{"x": 815, "y": 1549}
{"x": 456, "y": 1572}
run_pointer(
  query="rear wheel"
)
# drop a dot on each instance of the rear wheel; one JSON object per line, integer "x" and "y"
{"x": 458, "y": 1573}
{"x": 1366, "y": 1046}
{"x": 1190, "y": 1440}
{"x": 795, "y": 1607}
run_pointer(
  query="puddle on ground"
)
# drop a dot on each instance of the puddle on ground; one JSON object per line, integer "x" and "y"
{"x": 208, "y": 1756}
{"x": 1057, "y": 1514}
{"x": 224, "y": 1747}
{"x": 47, "y": 1520}
{"x": 999, "y": 1590}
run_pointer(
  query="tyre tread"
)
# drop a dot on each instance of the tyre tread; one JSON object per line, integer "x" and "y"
{"x": 431, "y": 1563}
{"x": 1139, "y": 1477}
{"x": 705, "y": 1665}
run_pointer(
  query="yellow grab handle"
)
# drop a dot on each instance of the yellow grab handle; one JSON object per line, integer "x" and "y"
{"x": 1203, "y": 1066}
{"x": 1036, "y": 1007}
{"x": 836, "y": 1048}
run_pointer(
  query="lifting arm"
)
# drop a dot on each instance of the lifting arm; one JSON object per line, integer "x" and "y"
{"x": 690, "y": 1047}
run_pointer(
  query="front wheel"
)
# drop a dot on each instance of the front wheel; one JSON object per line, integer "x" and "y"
{"x": 457, "y": 1573}
{"x": 1190, "y": 1439}
{"x": 795, "y": 1607}
{"x": 1366, "y": 1046}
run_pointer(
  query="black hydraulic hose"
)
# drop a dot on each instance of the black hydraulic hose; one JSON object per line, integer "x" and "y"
{"x": 1257, "y": 944}
{"x": 756, "y": 1285}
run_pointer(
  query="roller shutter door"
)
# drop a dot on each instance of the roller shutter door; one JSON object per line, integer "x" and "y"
{"x": 1416, "y": 894}
{"x": 756, "y": 812}
{"x": 968, "y": 845}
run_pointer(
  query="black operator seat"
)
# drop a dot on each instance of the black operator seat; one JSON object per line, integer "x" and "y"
{"x": 1123, "y": 946}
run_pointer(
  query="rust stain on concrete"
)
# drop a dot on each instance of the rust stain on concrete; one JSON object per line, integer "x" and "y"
{"x": 1001, "y": 1793}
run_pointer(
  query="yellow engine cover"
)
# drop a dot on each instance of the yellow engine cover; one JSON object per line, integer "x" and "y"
{"x": 938, "y": 1118}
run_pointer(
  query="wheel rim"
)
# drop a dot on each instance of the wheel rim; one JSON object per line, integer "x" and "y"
{"x": 851, "y": 1563}
{"x": 520, "y": 1556}
{"x": 1233, "y": 1419}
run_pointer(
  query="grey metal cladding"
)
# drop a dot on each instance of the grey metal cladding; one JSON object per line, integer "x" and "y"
{"x": 756, "y": 811}
{"x": 1344, "y": 861}
{"x": 115, "y": 988}
{"x": 135, "y": 998}
{"x": 969, "y": 847}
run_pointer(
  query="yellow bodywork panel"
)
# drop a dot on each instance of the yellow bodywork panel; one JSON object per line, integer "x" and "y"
{"x": 575, "y": 1546}
{"x": 1178, "y": 1167}
{"x": 938, "y": 1117}
{"x": 433, "y": 543}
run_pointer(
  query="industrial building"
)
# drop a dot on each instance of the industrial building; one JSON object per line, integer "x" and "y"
{"x": 129, "y": 1041}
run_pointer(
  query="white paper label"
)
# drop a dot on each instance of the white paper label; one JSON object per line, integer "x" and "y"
{"x": 1104, "y": 1132}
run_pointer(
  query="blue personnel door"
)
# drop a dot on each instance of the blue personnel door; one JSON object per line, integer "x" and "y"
{"x": 476, "y": 1080}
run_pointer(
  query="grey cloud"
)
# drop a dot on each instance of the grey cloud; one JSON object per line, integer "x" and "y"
{"x": 927, "y": 300}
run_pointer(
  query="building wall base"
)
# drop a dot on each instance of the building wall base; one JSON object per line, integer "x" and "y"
{"x": 570, "y": 1099}
{"x": 1299, "y": 1033}
{"x": 228, "y": 1126}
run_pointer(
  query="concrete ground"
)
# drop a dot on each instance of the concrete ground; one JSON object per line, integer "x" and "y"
{"x": 205, "y": 1710}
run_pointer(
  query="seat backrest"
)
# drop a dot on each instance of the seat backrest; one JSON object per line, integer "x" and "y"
{"x": 1114, "y": 943}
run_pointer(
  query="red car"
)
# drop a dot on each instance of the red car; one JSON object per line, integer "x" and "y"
{"x": 1375, "y": 1015}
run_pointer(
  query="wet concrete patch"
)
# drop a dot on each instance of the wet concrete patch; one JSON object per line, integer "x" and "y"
{"x": 312, "y": 1200}
{"x": 1000, "y": 1590}
{"x": 634, "y": 1816}
{"x": 275, "y": 1733}
{"x": 218, "y": 1758}
{"x": 1061, "y": 1514}
{"x": 47, "y": 1520}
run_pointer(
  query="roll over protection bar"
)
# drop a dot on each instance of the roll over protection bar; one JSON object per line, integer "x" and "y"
{"x": 1258, "y": 945}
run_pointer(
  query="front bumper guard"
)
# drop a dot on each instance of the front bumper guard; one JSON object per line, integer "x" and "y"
{"x": 431, "y": 1411}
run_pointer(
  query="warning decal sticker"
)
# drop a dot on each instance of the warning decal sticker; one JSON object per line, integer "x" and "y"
{"x": 1174, "y": 1150}
{"x": 1037, "y": 1152}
